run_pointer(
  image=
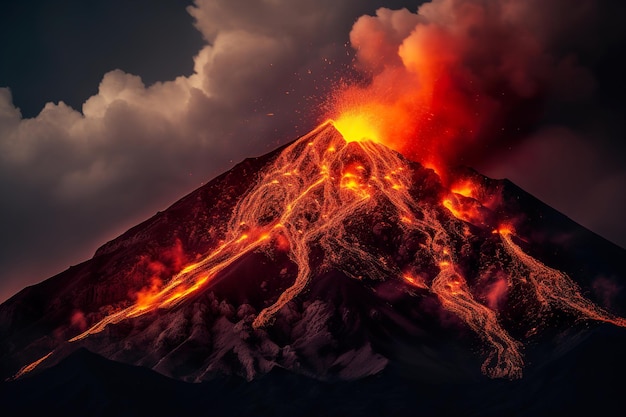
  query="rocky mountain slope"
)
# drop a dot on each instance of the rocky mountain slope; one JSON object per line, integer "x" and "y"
{"x": 410, "y": 283}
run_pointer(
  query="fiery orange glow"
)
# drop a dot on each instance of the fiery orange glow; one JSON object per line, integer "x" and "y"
{"x": 356, "y": 126}
{"x": 463, "y": 208}
{"x": 497, "y": 291}
{"x": 465, "y": 201}
{"x": 423, "y": 119}
{"x": 357, "y": 116}
{"x": 415, "y": 281}
{"x": 466, "y": 188}
{"x": 146, "y": 296}
{"x": 505, "y": 230}
{"x": 438, "y": 88}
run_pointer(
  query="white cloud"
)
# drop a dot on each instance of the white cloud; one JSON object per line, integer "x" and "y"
{"x": 134, "y": 149}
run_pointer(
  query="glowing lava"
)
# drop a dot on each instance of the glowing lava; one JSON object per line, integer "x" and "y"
{"x": 466, "y": 188}
{"x": 306, "y": 201}
{"x": 357, "y": 126}
{"x": 553, "y": 288}
{"x": 28, "y": 368}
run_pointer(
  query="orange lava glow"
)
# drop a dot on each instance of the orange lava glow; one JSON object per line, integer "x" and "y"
{"x": 466, "y": 188}
{"x": 358, "y": 116}
{"x": 307, "y": 194}
{"x": 505, "y": 359}
{"x": 497, "y": 292}
{"x": 146, "y": 296}
{"x": 415, "y": 281}
{"x": 505, "y": 230}
{"x": 429, "y": 124}
{"x": 356, "y": 126}
{"x": 428, "y": 94}
{"x": 438, "y": 83}
{"x": 466, "y": 202}
{"x": 464, "y": 208}
{"x": 28, "y": 368}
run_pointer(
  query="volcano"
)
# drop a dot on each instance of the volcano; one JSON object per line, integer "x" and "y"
{"x": 335, "y": 274}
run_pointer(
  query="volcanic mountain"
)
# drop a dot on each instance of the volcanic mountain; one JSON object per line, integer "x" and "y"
{"x": 332, "y": 268}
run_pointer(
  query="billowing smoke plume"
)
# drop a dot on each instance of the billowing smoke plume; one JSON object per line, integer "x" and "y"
{"x": 459, "y": 79}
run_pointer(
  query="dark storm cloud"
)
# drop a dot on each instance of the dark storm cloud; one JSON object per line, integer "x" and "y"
{"x": 73, "y": 177}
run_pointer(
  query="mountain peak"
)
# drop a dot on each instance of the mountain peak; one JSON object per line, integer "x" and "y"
{"x": 304, "y": 259}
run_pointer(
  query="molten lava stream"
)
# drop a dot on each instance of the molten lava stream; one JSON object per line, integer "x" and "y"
{"x": 505, "y": 359}
{"x": 186, "y": 282}
{"x": 553, "y": 287}
{"x": 27, "y": 368}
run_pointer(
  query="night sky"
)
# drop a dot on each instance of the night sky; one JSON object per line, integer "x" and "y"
{"x": 112, "y": 110}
